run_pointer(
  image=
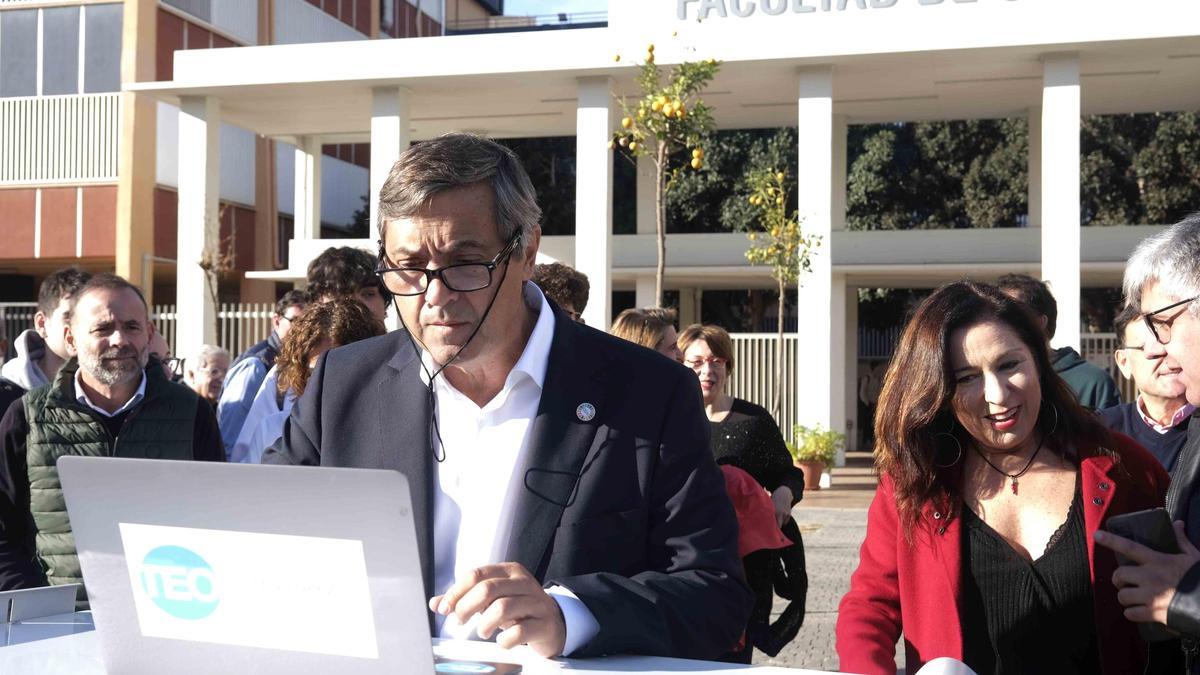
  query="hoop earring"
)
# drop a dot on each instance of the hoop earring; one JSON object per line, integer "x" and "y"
{"x": 1053, "y": 427}
{"x": 957, "y": 445}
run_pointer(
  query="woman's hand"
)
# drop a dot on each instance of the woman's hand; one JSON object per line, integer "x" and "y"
{"x": 1146, "y": 588}
{"x": 782, "y": 498}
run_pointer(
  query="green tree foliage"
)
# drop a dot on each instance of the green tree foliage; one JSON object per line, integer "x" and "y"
{"x": 1168, "y": 168}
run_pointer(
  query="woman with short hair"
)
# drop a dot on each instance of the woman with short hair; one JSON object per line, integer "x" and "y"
{"x": 993, "y": 481}
{"x": 650, "y": 327}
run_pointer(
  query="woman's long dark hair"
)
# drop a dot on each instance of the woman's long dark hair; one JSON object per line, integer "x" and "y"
{"x": 914, "y": 406}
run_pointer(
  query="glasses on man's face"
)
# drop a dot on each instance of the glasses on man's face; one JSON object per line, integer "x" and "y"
{"x": 1160, "y": 326}
{"x": 460, "y": 278}
{"x": 714, "y": 363}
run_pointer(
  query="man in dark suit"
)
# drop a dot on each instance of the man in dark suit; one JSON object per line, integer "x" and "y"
{"x": 563, "y": 489}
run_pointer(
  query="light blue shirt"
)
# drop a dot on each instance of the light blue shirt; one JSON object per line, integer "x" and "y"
{"x": 242, "y": 383}
{"x": 133, "y": 400}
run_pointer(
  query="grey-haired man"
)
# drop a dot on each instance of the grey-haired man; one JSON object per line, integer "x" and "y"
{"x": 563, "y": 488}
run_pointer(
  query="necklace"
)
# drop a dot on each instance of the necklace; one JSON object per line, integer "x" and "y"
{"x": 1013, "y": 476}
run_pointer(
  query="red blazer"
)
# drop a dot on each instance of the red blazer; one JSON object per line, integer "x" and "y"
{"x": 906, "y": 588}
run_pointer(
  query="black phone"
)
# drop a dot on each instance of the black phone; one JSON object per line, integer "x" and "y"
{"x": 455, "y": 666}
{"x": 1151, "y": 528}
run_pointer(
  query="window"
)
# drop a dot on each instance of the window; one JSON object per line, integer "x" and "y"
{"x": 60, "y": 51}
{"x": 201, "y": 9}
{"x": 18, "y": 52}
{"x": 102, "y": 48}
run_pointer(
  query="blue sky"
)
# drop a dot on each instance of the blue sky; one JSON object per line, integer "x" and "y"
{"x": 535, "y": 7}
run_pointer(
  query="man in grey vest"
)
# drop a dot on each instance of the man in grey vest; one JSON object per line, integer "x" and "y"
{"x": 103, "y": 403}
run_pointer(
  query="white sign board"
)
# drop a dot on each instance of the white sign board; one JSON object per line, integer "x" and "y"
{"x": 303, "y": 594}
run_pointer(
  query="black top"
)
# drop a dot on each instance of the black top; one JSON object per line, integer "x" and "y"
{"x": 17, "y": 569}
{"x": 1028, "y": 617}
{"x": 1125, "y": 419}
{"x": 749, "y": 439}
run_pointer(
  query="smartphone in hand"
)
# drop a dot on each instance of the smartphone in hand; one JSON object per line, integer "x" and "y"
{"x": 1151, "y": 528}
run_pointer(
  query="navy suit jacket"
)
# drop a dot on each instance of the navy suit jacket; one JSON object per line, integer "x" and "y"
{"x": 628, "y": 510}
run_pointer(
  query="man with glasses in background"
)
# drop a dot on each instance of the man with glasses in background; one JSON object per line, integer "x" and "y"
{"x": 563, "y": 490}
{"x": 247, "y": 373}
{"x": 1162, "y": 280}
{"x": 1159, "y": 417}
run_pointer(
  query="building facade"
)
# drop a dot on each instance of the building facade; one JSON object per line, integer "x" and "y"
{"x": 817, "y": 65}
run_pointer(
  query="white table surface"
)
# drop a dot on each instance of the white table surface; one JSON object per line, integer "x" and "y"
{"x": 67, "y": 644}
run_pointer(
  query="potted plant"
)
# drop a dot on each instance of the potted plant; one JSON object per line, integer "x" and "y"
{"x": 813, "y": 450}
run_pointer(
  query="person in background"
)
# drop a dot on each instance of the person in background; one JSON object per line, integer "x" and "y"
{"x": 745, "y": 436}
{"x": 160, "y": 353}
{"x": 1162, "y": 280}
{"x": 105, "y": 402}
{"x": 1092, "y": 385}
{"x": 1160, "y": 416}
{"x": 323, "y": 326}
{"x": 205, "y": 372}
{"x": 743, "y": 433}
{"x": 993, "y": 481}
{"x": 650, "y": 327}
{"x": 246, "y": 375}
{"x": 347, "y": 272}
{"x": 42, "y": 350}
{"x": 564, "y": 286}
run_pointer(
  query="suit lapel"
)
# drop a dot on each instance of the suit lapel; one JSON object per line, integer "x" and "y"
{"x": 559, "y": 440}
{"x": 403, "y": 442}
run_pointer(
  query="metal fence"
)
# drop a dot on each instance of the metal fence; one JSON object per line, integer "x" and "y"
{"x": 240, "y": 325}
{"x": 753, "y": 378}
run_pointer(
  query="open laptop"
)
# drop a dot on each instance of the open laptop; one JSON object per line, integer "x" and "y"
{"x": 200, "y": 567}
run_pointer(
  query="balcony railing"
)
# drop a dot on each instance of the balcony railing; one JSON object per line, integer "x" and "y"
{"x": 512, "y": 24}
{"x": 59, "y": 139}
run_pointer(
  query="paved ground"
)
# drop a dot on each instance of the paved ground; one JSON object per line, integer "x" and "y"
{"x": 833, "y": 523}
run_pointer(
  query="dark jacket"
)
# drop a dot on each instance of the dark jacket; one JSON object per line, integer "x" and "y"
{"x": 1092, "y": 386}
{"x": 1126, "y": 419}
{"x": 625, "y": 508}
{"x": 1183, "y": 503}
{"x": 35, "y": 535}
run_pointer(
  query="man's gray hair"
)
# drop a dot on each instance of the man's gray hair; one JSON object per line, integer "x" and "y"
{"x": 205, "y": 355}
{"x": 1171, "y": 258}
{"x": 457, "y": 160}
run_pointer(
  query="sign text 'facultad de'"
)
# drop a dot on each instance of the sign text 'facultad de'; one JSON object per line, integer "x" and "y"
{"x": 743, "y": 8}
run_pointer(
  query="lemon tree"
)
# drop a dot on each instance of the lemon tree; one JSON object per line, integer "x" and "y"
{"x": 667, "y": 122}
{"x": 777, "y": 241}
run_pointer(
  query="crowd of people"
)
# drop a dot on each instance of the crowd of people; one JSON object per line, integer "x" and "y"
{"x": 589, "y": 493}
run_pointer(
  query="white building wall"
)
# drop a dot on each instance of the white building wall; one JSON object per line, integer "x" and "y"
{"x": 297, "y": 22}
{"x": 342, "y": 185}
{"x": 236, "y": 157}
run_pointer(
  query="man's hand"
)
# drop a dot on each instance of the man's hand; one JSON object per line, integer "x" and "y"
{"x": 782, "y": 498}
{"x": 1146, "y": 589}
{"x": 509, "y": 599}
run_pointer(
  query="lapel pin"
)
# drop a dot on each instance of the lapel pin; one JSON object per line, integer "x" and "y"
{"x": 585, "y": 412}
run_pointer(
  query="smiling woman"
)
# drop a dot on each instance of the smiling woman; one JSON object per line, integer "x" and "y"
{"x": 991, "y": 470}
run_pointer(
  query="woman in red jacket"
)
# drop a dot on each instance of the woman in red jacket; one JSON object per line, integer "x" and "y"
{"x": 992, "y": 481}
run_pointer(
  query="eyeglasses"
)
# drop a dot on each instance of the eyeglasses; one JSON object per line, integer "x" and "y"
{"x": 1132, "y": 348}
{"x": 461, "y": 278}
{"x": 1161, "y": 328}
{"x": 714, "y": 363}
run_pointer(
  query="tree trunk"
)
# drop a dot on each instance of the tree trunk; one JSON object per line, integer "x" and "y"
{"x": 776, "y": 407}
{"x": 660, "y": 218}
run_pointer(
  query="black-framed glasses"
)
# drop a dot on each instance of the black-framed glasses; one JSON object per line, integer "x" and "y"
{"x": 1160, "y": 327}
{"x": 461, "y": 277}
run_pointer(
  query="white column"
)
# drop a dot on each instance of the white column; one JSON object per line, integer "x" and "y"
{"x": 644, "y": 291}
{"x": 593, "y": 196}
{"x": 198, "y": 220}
{"x": 307, "y": 197}
{"x": 391, "y": 134}
{"x": 1034, "y": 162}
{"x": 1060, "y": 191}
{"x": 646, "y": 223}
{"x": 820, "y": 397}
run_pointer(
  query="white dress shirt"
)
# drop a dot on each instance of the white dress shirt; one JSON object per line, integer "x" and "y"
{"x": 134, "y": 400}
{"x": 478, "y": 482}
